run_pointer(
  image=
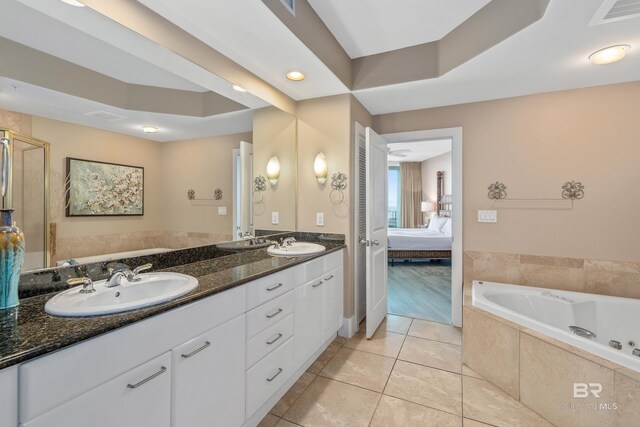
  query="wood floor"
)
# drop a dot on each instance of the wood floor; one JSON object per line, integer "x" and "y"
{"x": 421, "y": 290}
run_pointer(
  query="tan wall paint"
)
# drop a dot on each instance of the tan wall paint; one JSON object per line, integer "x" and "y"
{"x": 274, "y": 134}
{"x": 203, "y": 165}
{"x": 70, "y": 140}
{"x": 534, "y": 144}
{"x": 430, "y": 168}
{"x": 17, "y": 122}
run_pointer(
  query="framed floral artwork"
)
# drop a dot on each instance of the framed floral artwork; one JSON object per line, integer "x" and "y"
{"x": 103, "y": 189}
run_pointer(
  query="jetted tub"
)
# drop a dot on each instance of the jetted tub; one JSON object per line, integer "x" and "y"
{"x": 553, "y": 312}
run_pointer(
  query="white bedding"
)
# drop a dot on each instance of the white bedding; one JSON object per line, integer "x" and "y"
{"x": 418, "y": 239}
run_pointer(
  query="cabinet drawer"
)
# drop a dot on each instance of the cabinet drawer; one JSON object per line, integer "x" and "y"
{"x": 140, "y": 397}
{"x": 269, "y": 314}
{"x": 268, "y": 375}
{"x": 269, "y": 339}
{"x": 267, "y": 288}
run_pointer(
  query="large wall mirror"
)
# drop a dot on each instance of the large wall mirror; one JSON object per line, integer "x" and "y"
{"x": 209, "y": 174}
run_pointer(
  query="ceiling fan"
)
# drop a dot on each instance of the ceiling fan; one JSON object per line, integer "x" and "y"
{"x": 399, "y": 153}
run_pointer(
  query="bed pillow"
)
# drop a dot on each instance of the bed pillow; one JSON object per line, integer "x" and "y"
{"x": 436, "y": 223}
{"x": 446, "y": 228}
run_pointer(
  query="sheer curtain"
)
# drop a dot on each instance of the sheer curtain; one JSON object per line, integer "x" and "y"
{"x": 411, "y": 178}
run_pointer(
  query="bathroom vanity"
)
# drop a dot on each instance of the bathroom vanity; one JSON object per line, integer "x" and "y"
{"x": 223, "y": 357}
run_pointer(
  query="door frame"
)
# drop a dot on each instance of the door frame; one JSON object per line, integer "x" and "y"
{"x": 455, "y": 134}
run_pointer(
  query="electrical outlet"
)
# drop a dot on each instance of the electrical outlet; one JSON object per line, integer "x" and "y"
{"x": 487, "y": 216}
{"x": 275, "y": 218}
{"x": 222, "y": 210}
{"x": 320, "y": 219}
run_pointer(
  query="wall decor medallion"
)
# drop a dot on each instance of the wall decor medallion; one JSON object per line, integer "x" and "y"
{"x": 338, "y": 184}
{"x": 497, "y": 191}
{"x": 104, "y": 189}
{"x": 572, "y": 190}
{"x": 217, "y": 194}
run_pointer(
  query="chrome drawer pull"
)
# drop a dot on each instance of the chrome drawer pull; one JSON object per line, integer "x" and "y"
{"x": 274, "y": 314}
{"x": 317, "y": 284}
{"x": 274, "y": 287}
{"x": 329, "y": 278}
{"x": 275, "y": 339}
{"x": 146, "y": 380}
{"x": 197, "y": 350}
{"x": 274, "y": 377}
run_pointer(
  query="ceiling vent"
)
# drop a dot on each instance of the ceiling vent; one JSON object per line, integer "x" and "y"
{"x": 290, "y": 5}
{"x": 105, "y": 115}
{"x": 616, "y": 10}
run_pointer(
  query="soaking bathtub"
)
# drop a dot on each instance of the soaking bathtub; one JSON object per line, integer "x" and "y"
{"x": 552, "y": 312}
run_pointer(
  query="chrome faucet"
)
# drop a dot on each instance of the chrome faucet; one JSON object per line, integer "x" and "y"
{"x": 247, "y": 236}
{"x": 115, "y": 276}
{"x": 86, "y": 282}
{"x": 288, "y": 241}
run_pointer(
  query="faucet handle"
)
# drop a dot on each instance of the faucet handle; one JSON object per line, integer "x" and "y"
{"x": 86, "y": 282}
{"x": 142, "y": 268}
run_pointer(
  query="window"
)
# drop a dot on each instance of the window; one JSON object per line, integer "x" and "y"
{"x": 394, "y": 196}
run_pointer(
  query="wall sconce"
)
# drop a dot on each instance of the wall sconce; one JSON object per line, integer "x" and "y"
{"x": 273, "y": 170}
{"x": 320, "y": 167}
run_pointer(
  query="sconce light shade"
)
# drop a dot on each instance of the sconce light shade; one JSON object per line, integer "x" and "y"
{"x": 428, "y": 207}
{"x": 273, "y": 170}
{"x": 320, "y": 167}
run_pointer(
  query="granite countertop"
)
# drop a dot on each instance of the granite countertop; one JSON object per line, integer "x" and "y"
{"x": 28, "y": 332}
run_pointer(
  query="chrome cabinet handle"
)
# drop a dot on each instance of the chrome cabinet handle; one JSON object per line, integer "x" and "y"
{"x": 197, "y": 350}
{"x": 317, "y": 284}
{"x": 276, "y": 374}
{"x": 329, "y": 278}
{"x": 146, "y": 380}
{"x": 273, "y": 288}
{"x": 274, "y": 314}
{"x": 275, "y": 339}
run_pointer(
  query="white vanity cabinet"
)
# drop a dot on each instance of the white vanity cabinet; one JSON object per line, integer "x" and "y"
{"x": 140, "y": 397}
{"x": 308, "y": 319}
{"x": 208, "y": 378}
{"x": 9, "y": 396}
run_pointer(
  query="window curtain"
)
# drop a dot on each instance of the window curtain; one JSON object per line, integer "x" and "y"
{"x": 411, "y": 178}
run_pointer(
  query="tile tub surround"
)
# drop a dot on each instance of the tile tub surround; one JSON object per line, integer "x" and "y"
{"x": 28, "y": 331}
{"x": 620, "y": 279}
{"x": 540, "y": 371}
{"x": 45, "y": 281}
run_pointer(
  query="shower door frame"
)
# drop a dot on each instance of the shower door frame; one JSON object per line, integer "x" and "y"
{"x": 8, "y": 197}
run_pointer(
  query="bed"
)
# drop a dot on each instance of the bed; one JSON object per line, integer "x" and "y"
{"x": 424, "y": 243}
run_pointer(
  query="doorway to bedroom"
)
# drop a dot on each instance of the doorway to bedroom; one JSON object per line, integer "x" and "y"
{"x": 420, "y": 198}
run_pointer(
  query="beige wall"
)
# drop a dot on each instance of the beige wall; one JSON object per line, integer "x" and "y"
{"x": 534, "y": 144}
{"x": 430, "y": 168}
{"x": 203, "y": 165}
{"x": 17, "y": 122}
{"x": 274, "y": 134}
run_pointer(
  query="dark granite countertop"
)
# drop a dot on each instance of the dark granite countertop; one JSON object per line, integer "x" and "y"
{"x": 28, "y": 332}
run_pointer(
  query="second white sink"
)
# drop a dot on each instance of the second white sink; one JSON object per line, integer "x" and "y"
{"x": 297, "y": 249}
{"x": 151, "y": 289}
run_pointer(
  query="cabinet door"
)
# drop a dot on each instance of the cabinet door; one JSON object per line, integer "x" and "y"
{"x": 9, "y": 396}
{"x": 139, "y": 397}
{"x": 208, "y": 378}
{"x": 333, "y": 309}
{"x": 308, "y": 320}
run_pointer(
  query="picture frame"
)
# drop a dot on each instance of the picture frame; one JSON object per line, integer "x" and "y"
{"x": 95, "y": 188}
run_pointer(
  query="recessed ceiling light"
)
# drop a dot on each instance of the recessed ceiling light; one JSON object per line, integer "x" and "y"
{"x": 238, "y": 88}
{"x": 73, "y": 3}
{"x": 149, "y": 129}
{"x": 609, "y": 54}
{"x": 296, "y": 76}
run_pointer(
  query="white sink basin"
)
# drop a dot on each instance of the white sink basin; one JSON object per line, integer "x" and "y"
{"x": 151, "y": 289}
{"x": 296, "y": 249}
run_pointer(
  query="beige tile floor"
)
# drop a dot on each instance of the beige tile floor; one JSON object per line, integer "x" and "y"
{"x": 409, "y": 374}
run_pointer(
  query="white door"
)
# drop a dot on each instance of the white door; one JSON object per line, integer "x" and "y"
{"x": 246, "y": 183}
{"x": 376, "y": 236}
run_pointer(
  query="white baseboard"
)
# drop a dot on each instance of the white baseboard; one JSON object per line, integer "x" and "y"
{"x": 349, "y": 327}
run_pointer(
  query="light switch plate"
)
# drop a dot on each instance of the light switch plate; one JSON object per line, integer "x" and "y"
{"x": 275, "y": 218}
{"x": 320, "y": 219}
{"x": 222, "y": 210}
{"x": 487, "y": 216}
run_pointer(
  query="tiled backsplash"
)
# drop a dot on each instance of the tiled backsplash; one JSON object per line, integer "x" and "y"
{"x": 570, "y": 274}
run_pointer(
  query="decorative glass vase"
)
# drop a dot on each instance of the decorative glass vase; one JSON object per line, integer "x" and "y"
{"x": 11, "y": 259}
